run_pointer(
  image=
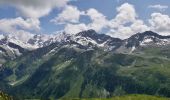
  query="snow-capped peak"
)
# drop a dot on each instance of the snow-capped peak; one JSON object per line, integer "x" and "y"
{"x": 87, "y": 38}
{"x": 90, "y": 38}
{"x": 147, "y": 38}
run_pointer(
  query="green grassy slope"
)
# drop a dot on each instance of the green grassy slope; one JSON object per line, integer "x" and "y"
{"x": 75, "y": 73}
{"x": 4, "y": 96}
{"x": 127, "y": 97}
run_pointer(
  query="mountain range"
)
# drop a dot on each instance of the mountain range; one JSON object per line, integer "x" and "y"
{"x": 13, "y": 46}
{"x": 84, "y": 65}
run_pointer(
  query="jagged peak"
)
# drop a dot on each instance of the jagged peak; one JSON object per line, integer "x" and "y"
{"x": 86, "y": 32}
{"x": 148, "y": 33}
{"x": 93, "y": 34}
{"x": 149, "y": 36}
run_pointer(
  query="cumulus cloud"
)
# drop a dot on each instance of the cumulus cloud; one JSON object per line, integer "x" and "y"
{"x": 126, "y": 14}
{"x": 160, "y": 23}
{"x": 69, "y": 14}
{"x": 99, "y": 21}
{"x": 73, "y": 29}
{"x": 116, "y": 27}
{"x": 19, "y": 27}
{"x": 22, "y": 35}
{"x": 122, "y": 32}
{"x": 126, "y": 22}
{"x": 14, "y": 24}
{"x": 139, "y": 26}
{"x": 123, "y": 25}
{"x": 158, "y": 7}
{"x": 31, "y": 11}
{"x": 34, "y": 8}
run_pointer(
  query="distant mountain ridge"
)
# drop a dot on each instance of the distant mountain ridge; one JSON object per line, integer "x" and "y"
{"x": 89, "y": 37}
{"x": 12, "y": 46}
{"x": 146, "y": 37}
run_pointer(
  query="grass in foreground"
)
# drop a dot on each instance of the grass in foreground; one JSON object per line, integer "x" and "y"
{"x": 4, "y": 96}
{"x": 128, "y": 97}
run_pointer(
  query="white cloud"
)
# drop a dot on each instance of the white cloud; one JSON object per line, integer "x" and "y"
{"x": 99, "y": 21}
{"x": 126, "y": 14}
{"x": 14, "y": 24}
{"x": 22, "y": 35}
{"x": 70, "y": 14}
{"x": 160, "y": 23}
{"x": 139, "y": 26}
{"x": 19, "y": 27}
{"x": 123, "y": 25}
{"x": 117, "y": 26}
{"x": 158, "y": 7}
{"x": 126, "y": 22}
{"x": 122, "y": 32}
{"x": 34, "y": 8}
{"x": 31, "y": 10}
{"x": 73, "y": 29}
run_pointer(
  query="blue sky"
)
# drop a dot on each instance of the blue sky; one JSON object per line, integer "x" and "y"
{"x": 35, "y": 16}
